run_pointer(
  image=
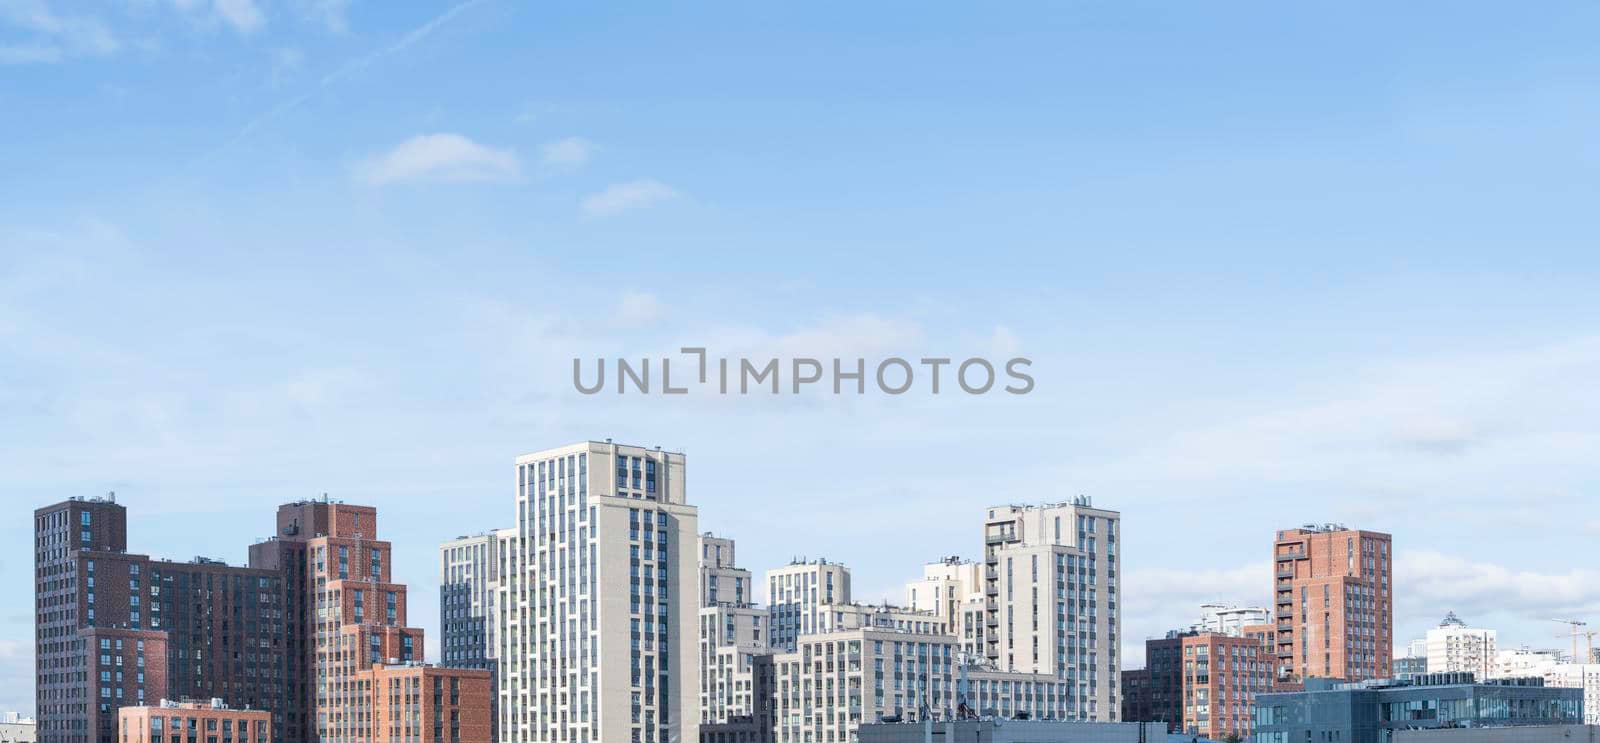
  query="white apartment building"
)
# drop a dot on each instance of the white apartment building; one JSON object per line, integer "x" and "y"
{"x": 581, "y": 659}
{"x": 1453, "y": 646}
{"x": 835, "y": 681}
{"x": 735, "y": 665}
{"x": 469, "y": 569}
{"x": 1230, "y": 619}
{"x": 795, "y": 594}
{"x": 952, "y": 588}
{"x": 721, "y": 581}
{"x": 839, "y": 617}
{"x": 1585, "y": 676}
{"x": 1524, "y": 662}
{"x": 1050, "y": 599}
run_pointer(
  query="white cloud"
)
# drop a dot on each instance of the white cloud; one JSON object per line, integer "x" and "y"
{"x": 1429, "y": 583}
{"x": 284, "y": 62}
{"x": 243, "y": 15}
{"x": 569, "y": 152}
{"x": 624, "y": 197}
{"x": 638, "y": 310}
{"x": 56, "y": 37}
{"x": 449, "y": 158}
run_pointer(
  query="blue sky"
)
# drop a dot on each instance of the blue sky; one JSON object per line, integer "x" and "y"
{"x": 1274, "y": 264}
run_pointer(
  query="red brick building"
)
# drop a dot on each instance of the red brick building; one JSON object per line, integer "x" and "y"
{"x": 428, "y": 704}
{"x": 1333, "y": 602}
{"x": 193, "y": 722}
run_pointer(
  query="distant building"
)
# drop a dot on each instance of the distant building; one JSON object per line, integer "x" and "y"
{"x": 1230, "y": 619}
{"x": 736, "y": 672}
{"x": 197, "y": 721}
{"x": 18, "y": 728}
{"x": 1015, "y": 731}
{"x": 1520, "y": 734}
{"x": 1333, "y": 603}
{"x": 1202, "y": 683}
{"x": 796, "y": 594}
{"x": 1453, "y": 647}
{"x": 1585, "y": 676}
{"x": 1524, "y": 661}
{"x": 1371, "y": 711}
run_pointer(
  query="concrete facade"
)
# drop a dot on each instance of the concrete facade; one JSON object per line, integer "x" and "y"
{"x": 1453, "y": 647}
{"x": 1051, "y": 588}
{"x": 796, "y": 594}
{"x": 597, "y": 607}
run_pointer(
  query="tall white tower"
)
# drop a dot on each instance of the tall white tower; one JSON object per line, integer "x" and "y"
{"x": 598, "y": 608}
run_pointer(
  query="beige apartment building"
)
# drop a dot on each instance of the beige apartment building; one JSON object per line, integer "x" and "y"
{"x": 580, "y": 657}
{"x": 1050, "y": 599}
{"x": 1333, "y": 599}
{"x": 796, "y": 594}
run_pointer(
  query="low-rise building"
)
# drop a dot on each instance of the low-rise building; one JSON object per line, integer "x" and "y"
{"x": 1371, "y": 711}
{"x": 186, "y": 721}
{"x": 995, "y": 730}
{"x": 1521, "y": 734}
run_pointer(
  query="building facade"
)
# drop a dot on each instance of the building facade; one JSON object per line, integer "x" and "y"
{"x": 118, "y": 629}
{"x": 796, "y": 594}
{"x": 1051, "y": 588}
{"x": 580, "y": 657}
{"x": 186, "y": 722}
{"x": 1585, "y": 676}
{"x": 1372, "y": 711}
{"x": 1453, "y": 647}
{"x": 736, "y": 673}
{"x": 468, "y": 574}
{"x": 722, "y": 581}
{"x": 1332, "y": 589}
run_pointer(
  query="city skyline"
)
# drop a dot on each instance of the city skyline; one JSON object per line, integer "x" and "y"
{"x": 1272, "y": 266}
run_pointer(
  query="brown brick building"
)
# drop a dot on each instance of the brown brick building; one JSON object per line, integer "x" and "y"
{"x": 193, "y": 722}
{"x": 1333, "y": 603}
{"x": 1199, "y": 683}
{"x": 296, "y": 635}
{"x": 428, "y": 704}
{"x": 117, "y": 629}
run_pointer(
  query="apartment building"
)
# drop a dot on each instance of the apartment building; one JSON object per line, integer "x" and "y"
{"x": 1205, "y": 683}
{"x": 118, "y": 629}
{"x": 1230, "y": 619}
{"x": 353, "y": 616}
{"x": 468, "y": 573}
{"x": 721, "y": 580}
{"x": 420, "y": 703}
{"x": 190, "y": 722}
{"x": 952, "y": 589}
{"x": 1050, "y": 588}
{"x": 735, "y": 656}
{"x": 1334, "y": 606}
{"x": 836, "y": 681}
{"x": 579, "y": 657}
{"x": 1454, "y": 647}
{"x": 796, "y": 593}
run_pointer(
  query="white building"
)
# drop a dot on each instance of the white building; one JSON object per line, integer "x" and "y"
{"x": 581, "y": 658}
{"x": 952, "y": 589}
{"x": 1454, "y": 647}
{"x": 1524, "y": 662}
{"x": 1230, "y": 619}
{"x": 796, "y": 593}
{"x": 721, "y": 580}
{"x": 468, "y": 573}
{"x": 735, "y": 655}
{"x": 1585, "y": 676}
{"x": 1050, "y": 589}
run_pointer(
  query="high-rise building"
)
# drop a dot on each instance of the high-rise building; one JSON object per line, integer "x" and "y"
{"x": 580, "y": 658}
{"x": 364, "y": 667}
{"x": 1050, "y": 598}
{"x": 469, "y": 569}
{"x": 117, "y": 629}
{"x": 721, "y": 580}
{"x": 1333, "y": 593}
{"x": 952, "y": 589}
{"x": 796, "y": 593}
{"x": 736, "y": 672}
{"x": 1453, "y": 646}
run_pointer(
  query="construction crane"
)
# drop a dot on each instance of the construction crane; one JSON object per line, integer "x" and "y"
{"x": 1575, "y": 632}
